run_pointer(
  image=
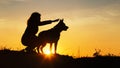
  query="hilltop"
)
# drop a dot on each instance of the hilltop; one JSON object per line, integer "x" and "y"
{"x": 19, "y": 59}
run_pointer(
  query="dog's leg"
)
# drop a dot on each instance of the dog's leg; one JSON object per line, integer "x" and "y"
{"x": 38, "y": 47}
{"x": 50, "y": 47}
{"x": 42, "y": 46}
{"x": 55, "y": 47}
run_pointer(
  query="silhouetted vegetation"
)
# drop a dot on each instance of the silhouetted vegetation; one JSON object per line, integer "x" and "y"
{"x": 97, "y": 53}
{"x": 20, "y": 59}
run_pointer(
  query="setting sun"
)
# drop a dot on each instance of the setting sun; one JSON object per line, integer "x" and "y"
{"x": 46, "y": 50}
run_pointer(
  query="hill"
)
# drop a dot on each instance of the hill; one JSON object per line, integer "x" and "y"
{"x": 19, "y": 59}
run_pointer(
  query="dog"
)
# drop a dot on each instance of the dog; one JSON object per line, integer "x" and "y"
{"x": 51, "y": 36}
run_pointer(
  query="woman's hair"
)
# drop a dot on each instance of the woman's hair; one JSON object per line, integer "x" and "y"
{"x": 34, "y": 19}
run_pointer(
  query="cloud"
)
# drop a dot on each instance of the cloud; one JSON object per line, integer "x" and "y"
{"x": 20, "y": 0}
{"x": 97, "y": 3}
{"x": 1, "y": 20}
{"x": 4, "y": 1}
{"x": 7, "y": 2}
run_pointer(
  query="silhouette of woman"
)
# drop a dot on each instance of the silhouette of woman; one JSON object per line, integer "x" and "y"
{"x": 29, "y": 37}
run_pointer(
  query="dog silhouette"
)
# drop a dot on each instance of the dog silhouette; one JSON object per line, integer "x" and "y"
{"x": 51, "y": 36}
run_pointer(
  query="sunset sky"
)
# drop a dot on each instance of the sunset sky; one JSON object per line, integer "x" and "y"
{"x": 93, "y": 24}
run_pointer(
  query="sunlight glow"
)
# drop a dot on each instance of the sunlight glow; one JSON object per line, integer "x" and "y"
{"x": 46, "y": 50}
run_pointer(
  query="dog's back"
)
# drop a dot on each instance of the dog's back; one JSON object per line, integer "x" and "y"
{"x": 49, "y": 36}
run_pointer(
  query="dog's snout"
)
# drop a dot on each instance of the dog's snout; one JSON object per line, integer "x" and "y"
{"x": 67, "y": 27}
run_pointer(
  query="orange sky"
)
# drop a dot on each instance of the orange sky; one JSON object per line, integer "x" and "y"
{"x": 94, "y": 24}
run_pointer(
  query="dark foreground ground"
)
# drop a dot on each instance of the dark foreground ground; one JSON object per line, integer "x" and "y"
{"x": 18, "y": 59}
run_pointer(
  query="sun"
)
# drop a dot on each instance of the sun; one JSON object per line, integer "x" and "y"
{"x": 47, "y": 52}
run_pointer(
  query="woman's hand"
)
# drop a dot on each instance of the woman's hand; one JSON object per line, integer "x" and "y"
{"x": 55, "y": 20}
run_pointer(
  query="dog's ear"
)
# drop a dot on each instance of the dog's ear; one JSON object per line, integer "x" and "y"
{"x": 62, "y": 19}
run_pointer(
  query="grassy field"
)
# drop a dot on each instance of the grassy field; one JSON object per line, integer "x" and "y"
{"x": 19, "y": 59}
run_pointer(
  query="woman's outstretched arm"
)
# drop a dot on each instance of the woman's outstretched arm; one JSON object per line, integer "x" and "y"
{"x": 47, "y": 22}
